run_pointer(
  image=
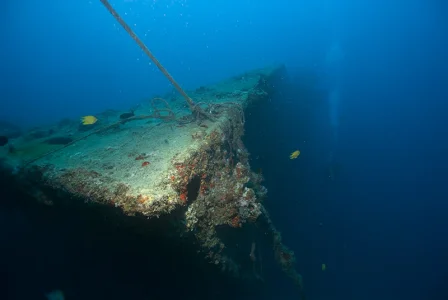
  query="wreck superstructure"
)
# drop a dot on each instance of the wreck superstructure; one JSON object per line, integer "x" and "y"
{"x": 190, "y": 175}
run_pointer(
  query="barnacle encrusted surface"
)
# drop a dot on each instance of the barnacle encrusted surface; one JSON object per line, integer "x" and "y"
{"x": 160, "y": 163}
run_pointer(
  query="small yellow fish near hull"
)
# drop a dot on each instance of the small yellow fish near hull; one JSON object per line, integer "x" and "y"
{"x": 88, "y": 120}
{"x": 294, "y": 155}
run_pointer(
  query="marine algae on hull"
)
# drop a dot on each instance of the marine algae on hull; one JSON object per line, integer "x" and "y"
{"x": 174, "y": 165}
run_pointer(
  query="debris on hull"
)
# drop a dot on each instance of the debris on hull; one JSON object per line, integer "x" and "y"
{"x": 164, "y": 163}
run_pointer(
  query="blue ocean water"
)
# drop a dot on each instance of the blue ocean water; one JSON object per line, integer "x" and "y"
{"x": 364, "y": 102}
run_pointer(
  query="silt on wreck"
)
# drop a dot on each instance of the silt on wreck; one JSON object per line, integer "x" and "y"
{"x": 164, "y": 169}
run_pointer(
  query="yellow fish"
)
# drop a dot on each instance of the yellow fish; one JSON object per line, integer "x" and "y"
{"x": 88, "y": 120}
{"x": 294, "y": 155}
{"x": 324, "y": 267}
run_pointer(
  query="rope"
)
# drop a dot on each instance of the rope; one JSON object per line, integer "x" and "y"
{"x": 150, "y": 55}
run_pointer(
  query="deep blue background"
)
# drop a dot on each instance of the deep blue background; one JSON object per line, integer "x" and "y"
{"x": 383, "y": 229}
